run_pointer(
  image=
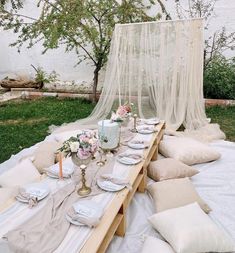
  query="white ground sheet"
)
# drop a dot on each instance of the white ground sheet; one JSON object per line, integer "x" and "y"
{"x": 215, "y": 183}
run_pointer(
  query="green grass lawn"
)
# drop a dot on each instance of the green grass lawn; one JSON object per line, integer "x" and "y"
{"x": 225, "y": 117}
{"x": 24, "y": 123}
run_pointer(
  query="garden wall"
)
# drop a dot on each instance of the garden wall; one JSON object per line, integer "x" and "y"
{"x": 11, "y": 62}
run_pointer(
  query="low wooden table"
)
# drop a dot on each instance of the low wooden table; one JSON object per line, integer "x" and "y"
{"x": 114, "y": 220}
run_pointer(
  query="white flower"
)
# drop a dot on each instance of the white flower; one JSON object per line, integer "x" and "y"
{"x": 74, "y": 146}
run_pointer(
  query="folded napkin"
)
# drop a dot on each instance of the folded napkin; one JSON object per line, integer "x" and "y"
{"x": 86, "y": 220}
{"x": 68, "y": 169}
{"x": 31, "y": 195}
{"x": 138, "y": 144}
{"x": 117, "y": 180}
{"x": 129, "y": 158}
{"x": 87, "y": 212}
{"x": 147, "y": 128}
{"x": 130, "y": 155}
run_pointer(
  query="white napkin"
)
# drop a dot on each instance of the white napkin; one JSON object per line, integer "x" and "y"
{"x": 146, "y": 129}
{"x": 129, "y": 158}
{"x": 87, "y": 212}
{"x": 67, "y": 168}
{"x": 25, "y": 196}
{"x": 138, "y": 144}
{"x": 116, "y": 180}
{"x": 35, "y": 191}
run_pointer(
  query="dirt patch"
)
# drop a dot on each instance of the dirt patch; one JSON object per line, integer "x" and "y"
{"x": 22, "y": 121}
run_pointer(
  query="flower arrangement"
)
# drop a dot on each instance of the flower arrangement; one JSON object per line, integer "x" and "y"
{"x": 84, "y": 145}
{"x": 123, "y": 112}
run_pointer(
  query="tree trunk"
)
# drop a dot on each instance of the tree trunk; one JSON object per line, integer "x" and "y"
{"x": 95, "y": 83}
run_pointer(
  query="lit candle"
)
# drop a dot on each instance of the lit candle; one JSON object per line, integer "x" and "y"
{"x": 60, "y": 166}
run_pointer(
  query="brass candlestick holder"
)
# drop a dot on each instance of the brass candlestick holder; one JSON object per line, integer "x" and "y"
{"x": 84, "y": 190}
{"x": 134, "y": 129}
{"x": 81, "y": 163}
{"x": 102, "y": 161}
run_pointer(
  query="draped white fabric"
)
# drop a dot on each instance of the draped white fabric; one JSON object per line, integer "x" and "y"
{"x": 159, "y": 67}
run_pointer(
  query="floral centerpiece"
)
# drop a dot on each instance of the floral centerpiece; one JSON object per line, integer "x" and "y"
{"x": 83, "y": 146}
{"x": 122, "y": 113}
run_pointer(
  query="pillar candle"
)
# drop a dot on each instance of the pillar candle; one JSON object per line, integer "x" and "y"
{"x": 60, "y": 166}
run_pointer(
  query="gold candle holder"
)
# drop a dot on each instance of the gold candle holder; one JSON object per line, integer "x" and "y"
{"x": 102, "y": 161}
{"x": 84, "y": 190}
{"x": 134, "y": 130}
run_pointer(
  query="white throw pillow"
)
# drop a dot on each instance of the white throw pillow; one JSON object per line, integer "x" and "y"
{"x": 61, "y": 137}
{"x": 155, "y": 245}
{"x": 44, "y": 155}
{"x": 187, "y": 150}
{"x": 189, "y": 230}
{"x": 175, "y": 193}
{"x": 169, "y": 168}
{"x": 23, "y": 173}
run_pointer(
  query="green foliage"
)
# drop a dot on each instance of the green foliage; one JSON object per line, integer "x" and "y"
{"x": 218, "y": 42}
{"x": 225, "y": 117}
{"x": 219, "y": 79}
{"x": 83, "y": 26}
{"x": 42, "y": 76}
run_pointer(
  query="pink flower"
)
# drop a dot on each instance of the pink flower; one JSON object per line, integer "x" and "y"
{"x": 82, "y": 154}
{"x": 121, "y": 111}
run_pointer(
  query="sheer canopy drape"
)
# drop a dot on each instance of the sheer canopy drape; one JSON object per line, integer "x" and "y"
{"x": 159, "y": 67}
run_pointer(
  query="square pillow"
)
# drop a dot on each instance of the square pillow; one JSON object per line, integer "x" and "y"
{"x": 169, "y": 168}
{"x": 23, "y": 173}
{"x": 189, "y": 230}
{"x": 64, "y": 136}
{"x": 44, "y": 156}
{"x": 187, "y": 150}
{"x": 155, "y": 245}
{"x": 174, "y": 193}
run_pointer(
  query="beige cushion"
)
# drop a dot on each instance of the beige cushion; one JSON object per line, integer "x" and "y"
{"x": 45, "y": 156}
{"x": 175, "y": 193}
{"x": 23, "y": 173}
{"x": 169, "y": 168}
{"x": 187, "y": 150}
{"x": 155, "y": 245}
{"x": 189, "y": 230}
{"x": 64, "y": 136}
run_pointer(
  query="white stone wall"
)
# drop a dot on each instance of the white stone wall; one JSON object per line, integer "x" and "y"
{"x": 11, "y": 62}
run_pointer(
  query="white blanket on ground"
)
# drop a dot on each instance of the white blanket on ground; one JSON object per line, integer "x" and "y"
{"x": 216, "y": 185}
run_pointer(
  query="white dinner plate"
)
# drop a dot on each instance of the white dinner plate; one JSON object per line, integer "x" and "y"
{"x": 74, "y": 222}
{"x": 86, "y": 208}
{"x": 38, "y": 190}
{"x": 132, "y": 144}
{"x": 128, "y": 160}
{"x": 152, "y": 121}
{"x": 146, "y": 129}
{"x": 109, "y": 186}
{"x": 49, "y": 174}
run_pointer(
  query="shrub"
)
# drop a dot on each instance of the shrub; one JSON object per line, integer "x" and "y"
{"x": 219, "y": 78}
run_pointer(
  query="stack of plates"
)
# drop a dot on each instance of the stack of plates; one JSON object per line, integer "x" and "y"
{"x": 152, "y": 121}
{"x": 109, "y": 186}
{"x": 53, "y": 171}
{"x": 85, "y": 210}
{"x": 35, "y": 190}
{"x": 135, "y": 144}
{"x": 129, "y": 158}
{"x": 146, "y": 129}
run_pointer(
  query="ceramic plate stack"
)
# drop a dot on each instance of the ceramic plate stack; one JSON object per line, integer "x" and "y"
{"x": 36, "y": 190}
